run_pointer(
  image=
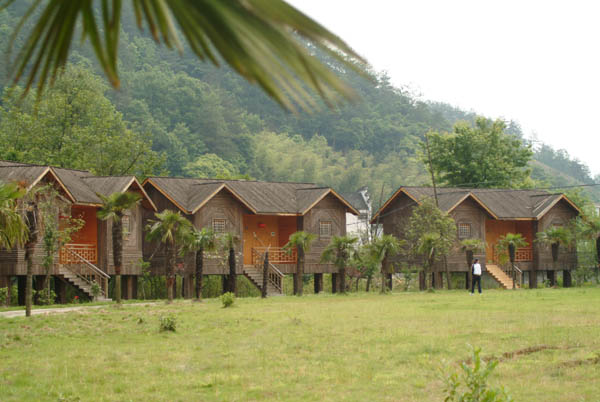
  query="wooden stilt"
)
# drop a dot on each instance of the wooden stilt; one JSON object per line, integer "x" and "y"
{"x": 60, "y": 288}
{"x": 422, "y": 280}
{"x": 389, "y": 281}
{"x": 334, "y": 283}
{"x": 21, "y": 283}
{"x": 224, "y": 283}
{"x": 134, "y": 286}
{"x": 532, "y": 279}
{"x": 295, "y": 283}
{"x": 551, "y": 277}
{"x": 467, "y": 281}
{"x": 567, "y": 280}
{"x": 318, "y": 278}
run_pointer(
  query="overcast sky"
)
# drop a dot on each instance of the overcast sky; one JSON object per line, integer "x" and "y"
{"x": 536, "y": 62}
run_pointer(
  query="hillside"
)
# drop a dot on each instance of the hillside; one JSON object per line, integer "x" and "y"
{"x": 200, "y": 121}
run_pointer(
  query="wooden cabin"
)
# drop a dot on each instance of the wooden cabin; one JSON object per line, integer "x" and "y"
{"x": 488, "y": 214}
{"x": 262, "y": 214}
{"x": 89, "y": 254}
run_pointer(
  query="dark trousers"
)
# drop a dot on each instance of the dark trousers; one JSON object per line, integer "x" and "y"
{"x": 476, "y": 279}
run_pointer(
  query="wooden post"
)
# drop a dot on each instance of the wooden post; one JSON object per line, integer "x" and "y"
{"x": 105, "y": 289}
{"x": 224, "y": 284}
{"x": 551, "y": 277}
{"x": 134, "y": 286}
{"x": 536, "y": 258}
{"x": 265, "y": 284}
{"x": 21, "y": 283}
{"x": 60, "y": 288}
{"x": 567, "y": 280}
{"x": 421, "y": 280}
{"x": 532, "y": 278}
{"x": 318, "y": 283}
{"x": 467, "y": 281}
{"x": 334, "y": 282}
{"x": 129, "y": 291}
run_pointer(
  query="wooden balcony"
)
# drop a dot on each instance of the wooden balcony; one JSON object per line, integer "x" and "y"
{"x": 85, "y": 251}
{"x": 523, "y": 254}
{"x": 277, "y": 255}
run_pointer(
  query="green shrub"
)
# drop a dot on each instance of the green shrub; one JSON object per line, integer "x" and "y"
{"x": 227, "y": 299}
{"x": 167, "y": 323}
{"x": 4, "y": 300}
{"x": 96, "y": 289}
{"x": 473, "y": 387}
{"x": 46, "y": 297}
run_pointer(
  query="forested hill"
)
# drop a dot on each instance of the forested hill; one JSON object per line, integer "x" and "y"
{"x": 175, "y": 115}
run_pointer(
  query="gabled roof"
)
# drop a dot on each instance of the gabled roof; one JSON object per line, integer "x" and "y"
{"x": 260, "y": 197}
{"x": 357, "y": 200}
{"x": 502, "y": 204}
{"x": 80, "y": 186}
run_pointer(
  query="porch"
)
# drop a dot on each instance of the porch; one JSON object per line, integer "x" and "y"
{"x": 495, "y": 229}
{"x": 268, "y": 232}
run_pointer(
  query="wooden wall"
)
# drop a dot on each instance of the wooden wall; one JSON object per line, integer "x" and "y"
{"x": 560, "y": 215}
{"x": 132, "y": 246}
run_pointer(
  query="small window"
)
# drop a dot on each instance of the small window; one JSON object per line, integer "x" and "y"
{"x": 325, "y": 229}
{"x": 126, "y": 223}
{"x": 464, "y": 230}
{"x": 218, "y": 225}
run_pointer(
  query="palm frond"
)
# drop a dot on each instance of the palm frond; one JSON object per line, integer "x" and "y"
{"x": 262, "y": 40}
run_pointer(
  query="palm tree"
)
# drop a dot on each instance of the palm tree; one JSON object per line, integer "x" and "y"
{"x": 13, "y": 229}
{"x": 338, "y": 252}
{"x": 511, "y": 242}
{"x": 301, "y": 241}
{"x": 228, "y": 243}
{"x": 470, "y": 246}
{"x": 381, "y": 249}
{"x": 171, "y": 229}
{"x": 200, "y": 241}
{"x": 261, "y": 40}
{"x": 555, "y": 236}
{"x": 113, "y": 208}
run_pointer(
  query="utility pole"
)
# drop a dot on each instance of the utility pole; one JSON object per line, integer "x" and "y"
{"x": 431, "y": 169}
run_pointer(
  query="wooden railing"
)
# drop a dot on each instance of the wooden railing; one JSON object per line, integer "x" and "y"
{"x": 85, "y": 270}
{"x": 277, "y": 255}
{"x": 523, "y": 254}
{"x": 274, "y": 275}
{"x": 85, "y": 251}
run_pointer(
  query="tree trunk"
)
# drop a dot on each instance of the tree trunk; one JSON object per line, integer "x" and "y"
{"x": 199, "y": 273}
{"x": 334, "y": 282}
{"x": 598, "y": 250}
{"x": 447, "y": 274}
{"x": 369, "y": 277}
{"x": 232, "y": 274}
{"x": 554, "y": 248}
{"x": 117, "y": 243}
{"x": 29, "y": 249}
{"x": 342, "y": 274}
{"x": 511, "y": 253}
{"x": 300, "y": 272}
{"x": 170, "y": 271}
{"x": 383, "y": 272}
{"x": 469, "y": 272}
{"x": 265, "y": 282}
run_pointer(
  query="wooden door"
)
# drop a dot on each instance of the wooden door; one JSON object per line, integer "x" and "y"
{"x": 259, "y": 231}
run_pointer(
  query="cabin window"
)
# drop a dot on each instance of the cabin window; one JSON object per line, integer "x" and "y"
{"x": 218, "y": 225}
{"x": 464, "y": 230}
{"x": 126, "y": 223}
{"x": 324, "y": 228}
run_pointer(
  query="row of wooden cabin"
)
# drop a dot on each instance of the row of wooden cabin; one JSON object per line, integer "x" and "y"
{"x": 263, "y": 215}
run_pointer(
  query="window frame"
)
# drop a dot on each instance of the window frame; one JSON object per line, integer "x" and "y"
{"x": 323, "y": 224}
{"x": 126, "y": 226}
{"x": 219, "y": 222}
{"x": 462, "y": 225}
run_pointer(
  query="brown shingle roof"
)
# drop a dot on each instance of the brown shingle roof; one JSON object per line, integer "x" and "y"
{"x": 259, "y": 196}
{"x": 503, "y": 203}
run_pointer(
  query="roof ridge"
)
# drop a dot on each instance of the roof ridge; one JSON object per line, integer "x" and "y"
{"x": 228, "y": 180}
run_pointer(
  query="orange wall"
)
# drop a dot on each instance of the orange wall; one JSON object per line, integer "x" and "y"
{"x": 275, "y": 233}
{"x": 495, "y": 229}
{"x": 88, "y": 234}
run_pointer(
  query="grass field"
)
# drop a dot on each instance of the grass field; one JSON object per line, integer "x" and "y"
{"x": 327, "y": 347}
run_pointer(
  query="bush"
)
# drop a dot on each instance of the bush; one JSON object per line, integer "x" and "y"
{"x": 46, "y": 297}
{"x": 95, "y": 290}
{"x": 474, "y": 382}
{"x": 4, "y": 300}
{"x": 167, "y": 323}
{"x": 227, "y": 299}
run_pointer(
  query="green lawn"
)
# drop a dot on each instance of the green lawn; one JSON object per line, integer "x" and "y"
{"x": 358, "y": 347}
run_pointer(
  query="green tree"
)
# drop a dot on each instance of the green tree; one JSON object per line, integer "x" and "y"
{"x": 261, "y": 41}
{"x": 590, "y": 229}
{"x": 339, "y": 251}
{"x": 13, "y": 229}
{"x": 554, "y": 236}
{"x": 74, "y": 126}
{"x": 113, "y": 208}
{"x": 511, "y": 242}
{"x": 171, "y": 229}
{"x": 301, "y": 241}
{"x": 210, "y": 166}
{"x": 200, "y": 241}
{"x": 469, "y": 247}
{"x": 229, "y": 242}
{"x": 382, "y": 248}
{"x": 430, "y": 234}
{"x": 480, "y": 155}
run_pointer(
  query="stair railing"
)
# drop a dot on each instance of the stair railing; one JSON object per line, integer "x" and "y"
{"x": 88, "y": 272}
{"x": 274, "y": 275}
{"x": 517, "y": 276}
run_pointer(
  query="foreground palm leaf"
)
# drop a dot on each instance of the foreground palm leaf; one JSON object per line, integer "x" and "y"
{"x": 260, "y": 39}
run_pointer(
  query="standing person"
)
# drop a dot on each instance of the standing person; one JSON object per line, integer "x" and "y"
{"x": 476, "y": 271}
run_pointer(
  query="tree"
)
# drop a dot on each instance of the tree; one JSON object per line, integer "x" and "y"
{"x": 171, "y": 229}
{"x": 210, "y": 166}
{"x": 200, "y": 241}
{"x": 13, "y": 229}
{"x": 381, "y": 249}
{"x": 591, "y": 230}
{"x": 301, "y": 241}
{"x": 554, "y": 236}
{"x": 470, "y": 246}
{"x": 228, "y": 243}
{"x": 480, "y": 155}
{"x": 261, "y": 41}
{"x": 511, "y": 242}
{"x": 32, "y": 218}
{"x": 112, "y": 209}
{"x": 339, "y": 251}
{"x": 430, "y": 234}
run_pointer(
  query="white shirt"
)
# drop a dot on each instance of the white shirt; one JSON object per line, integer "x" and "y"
{"x": 476, "y": 269}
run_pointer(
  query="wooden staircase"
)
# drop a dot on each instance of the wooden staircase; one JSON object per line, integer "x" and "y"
{"x": 82, "y": 274}
{"x": 255, "y": 274}
{"x": 501, "y": 277}
{"x": 79, "y": 283}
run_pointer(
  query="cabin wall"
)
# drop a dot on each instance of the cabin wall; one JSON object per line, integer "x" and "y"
{"x": 132, "y": 243}
{"x": 559, "y": 215}
{"x": 394, "y": 220}
{"x": 467, "y": 212}
{"x": 328, "y": 209}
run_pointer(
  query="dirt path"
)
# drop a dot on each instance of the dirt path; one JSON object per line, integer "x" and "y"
{"x": 60, "y": 310}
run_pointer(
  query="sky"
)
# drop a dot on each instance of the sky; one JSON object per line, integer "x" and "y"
{"x": 535, "y": 62}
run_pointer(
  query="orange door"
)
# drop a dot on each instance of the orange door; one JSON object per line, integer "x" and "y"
{"x": 259, "y": 231}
